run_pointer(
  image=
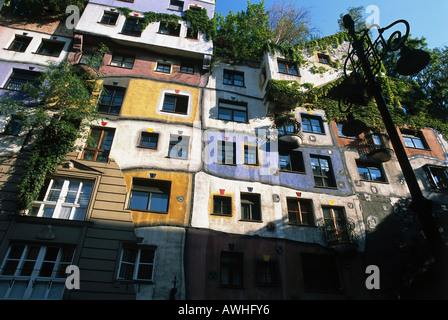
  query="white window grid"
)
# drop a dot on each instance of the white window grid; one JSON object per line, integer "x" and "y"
{"x": 61, "y": 202}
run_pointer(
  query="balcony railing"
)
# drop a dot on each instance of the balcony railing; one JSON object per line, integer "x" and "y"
{"x": 339, "y": 234}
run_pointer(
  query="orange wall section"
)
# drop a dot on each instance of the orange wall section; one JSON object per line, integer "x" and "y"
{"x": 179, "y": 202}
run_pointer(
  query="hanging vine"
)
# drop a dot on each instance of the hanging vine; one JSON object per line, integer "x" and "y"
{"x": 197, "y": 20}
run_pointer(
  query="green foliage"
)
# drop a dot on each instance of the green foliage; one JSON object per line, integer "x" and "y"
{"x": 198, "y": 20}
{"x": 242, "y": 36}
{"x": 41, "y": 8}
{"x": 56, "y": 108}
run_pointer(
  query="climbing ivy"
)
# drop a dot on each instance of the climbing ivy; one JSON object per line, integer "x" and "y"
{"x": 197, "y": 20}
{"x": 56, "y": 108}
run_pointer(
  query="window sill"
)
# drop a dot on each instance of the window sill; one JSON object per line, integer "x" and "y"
{"x": 302, "y": 225}
{"x": 325, "y": 187}
{"x": 48, "y": 55}
{"x": 289, "y": 74}
{"x": 171, "y": 35}
{"x": 174, "y": 112}
{"x": 234, "y": 85}
{"x": 121, "y": 67}
{"x": 319, "y": 133}
{"x": 251, "y": 165}
{"x": 246, "y": 220}
{"x": 221, "y": 215}
{"x": 290, "y": 171}
{"x": 383, "y": 182}
{"x": 108, "y": 24}
{"x": 421, "y": 149}
{"x": 131, "y": 35}
{"x": 52, "y": 221}
{"x": 150, "y": 148}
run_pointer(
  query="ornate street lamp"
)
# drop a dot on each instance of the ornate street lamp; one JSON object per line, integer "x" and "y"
{"x": 365, "y": 63}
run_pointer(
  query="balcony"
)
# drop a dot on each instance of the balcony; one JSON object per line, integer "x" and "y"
{"x": 339, "y": 235}
{"x": 289, "y": 132}
{"x": 375, "y": 146}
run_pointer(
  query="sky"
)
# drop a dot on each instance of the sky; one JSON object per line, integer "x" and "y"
{"x": 427, "y": 18}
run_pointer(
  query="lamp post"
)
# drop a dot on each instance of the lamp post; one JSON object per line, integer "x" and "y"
{"x": 365, "y": 68}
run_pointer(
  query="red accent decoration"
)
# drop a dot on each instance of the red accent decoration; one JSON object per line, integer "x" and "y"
{"x": 103, "y": 123}
{"x": 177, "y": 91}
{"x": 135, "y": 14}
{"x": 222, "y": 191}
{"x": 299, "y": 194}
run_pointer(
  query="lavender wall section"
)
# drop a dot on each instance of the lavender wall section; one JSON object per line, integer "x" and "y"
{"x": 268, "y": 170}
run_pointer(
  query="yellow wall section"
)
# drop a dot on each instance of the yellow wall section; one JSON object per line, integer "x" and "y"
{"x": 178, "y": 211}
{"x": 143, "y": 96}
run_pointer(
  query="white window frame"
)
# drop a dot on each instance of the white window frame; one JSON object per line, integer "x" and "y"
{"x": 60, "y": 203}
{"x": 136, "y": 264}
{"x": 33, "y": 286}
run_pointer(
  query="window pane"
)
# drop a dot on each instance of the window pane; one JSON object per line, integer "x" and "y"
{"x": 169, "y": 103}
{"x": 408, "y": 142}
{"x": 139, "y": 200}
{"x": 239, "y": 116}
{"x": 418, "y": 143}
{"x": 159, "y": 202}
{"x": 224, "y": 114}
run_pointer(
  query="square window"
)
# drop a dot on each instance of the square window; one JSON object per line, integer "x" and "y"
{"x": 312, "y": 124}
{"x": 336, "y": 225}
{"x": 234, "y": 78}
{"x": 187, "y": 68}
{"x": 149, "y": 140}
{"x": 370, "y": 171}
{"x": 438, "y": 176}
{"x": 98, "y": 145}
{"x": 175, "y": 103}
{"x": 226, "y": 153}
{"x": 20, "y": 77}
{"x": 150, "y": 195}
{"x": 20, "y": 43}
{"x": 51, "y": 48}
{"x": 222, "y": 205}
{"x": 250, "y": 207}
{"x": 266, "y": 273}
{"x": 179, "y": 146}
{"x": 122, "y": 61}
{"x": 323, "y": 58}
{"x": 137, "y": 263}
{"x": 250, "y": 155}
{"x": 413, "y": 139}
{"x": 231, "y": 269}
{"x": 176, "y": 5}
{"x": 14, "y": 126}
{"x": 62, "y": 198}
{"x": 292, "y": 161}
{"x": 322, "y": 171}
{"x": 169, "y": 28}
{"x": 300, "y": 212}
{"x": 133, "y": 27}
{"x": 109, "y": 18}
{"x": 192, "y": 34}
{"x": 232, "y": 111}
{"x": 164, "y": 67}
{"x": 111, "y": 100}
{"x": 287, "y": 67}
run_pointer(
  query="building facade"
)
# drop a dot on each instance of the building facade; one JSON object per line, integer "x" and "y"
{"x": 184, "y": 189}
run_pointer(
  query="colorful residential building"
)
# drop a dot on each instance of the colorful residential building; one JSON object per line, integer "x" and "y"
{"x": 187, "y": 187}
